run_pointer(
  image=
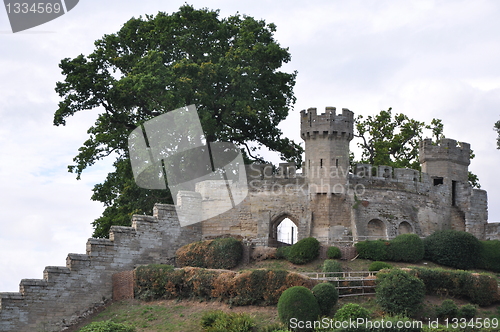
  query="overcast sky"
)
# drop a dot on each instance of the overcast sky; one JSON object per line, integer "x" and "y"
{"x": 425, "y": 59}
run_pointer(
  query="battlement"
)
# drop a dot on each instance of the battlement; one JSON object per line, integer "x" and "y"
{"x": 327, "y": 124}
{"x": 446, "y": 149}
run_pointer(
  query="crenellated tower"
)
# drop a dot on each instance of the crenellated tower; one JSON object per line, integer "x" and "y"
{"x": 446, "y": 159}
{"x": 327, "y": 138}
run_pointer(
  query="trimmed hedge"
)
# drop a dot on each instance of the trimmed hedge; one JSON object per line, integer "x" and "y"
{"x": 333, "y": 252}
{"x": 406, "y": 248}
{"x": 490, "y": 255}
{"x": 403, "y": 248}
{"x": 373, "y": 250}
{"x": 399, "y": 292}
{"x": 237, "y": 288}
{"x": 481, "y": 289}
{"x": 223, "y": 253}
{"x": 327, "y": 296}
{"x": 457, "y": 249}
{"x": 299, "y": 303}
{"x": 304, "y": 251}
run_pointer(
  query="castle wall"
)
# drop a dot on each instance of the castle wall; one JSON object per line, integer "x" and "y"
{"x": 65, "y": 293}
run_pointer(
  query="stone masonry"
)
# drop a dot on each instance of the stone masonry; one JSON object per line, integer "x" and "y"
{"x": 327, "y": 200}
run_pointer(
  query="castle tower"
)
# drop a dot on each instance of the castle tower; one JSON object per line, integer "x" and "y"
{"x": 447, "y": 159}
{"x": 327, "y": 138}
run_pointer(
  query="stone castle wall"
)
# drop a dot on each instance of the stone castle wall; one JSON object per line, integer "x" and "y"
{"x": 67, "y": 292}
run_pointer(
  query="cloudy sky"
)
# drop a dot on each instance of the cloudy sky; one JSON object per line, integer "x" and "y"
{"x": 423, "y": 58}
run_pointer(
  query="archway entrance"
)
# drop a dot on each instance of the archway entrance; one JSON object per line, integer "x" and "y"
{"x": 287, "y": 231}
{"x": 283, "y": 231}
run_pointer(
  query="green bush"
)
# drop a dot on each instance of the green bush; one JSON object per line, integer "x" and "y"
{"x": 447, "y": 309}
{"x": 377, "y": 266}
{"x": 304, "y": 251}
{"x": 333, "y": 252}
{"x": 223, "y": 253}
{"x": 150, "y": 282}
{"x": 283, "y": 252}
{"x": 467, "y": 311}
{"x": 406, "y": 248}
{"x": 373, "y": 250}
{"x": 219, "y": 321}
{"x": 327, "y": 296}
{"x": 107, "y": 326}
{"x": 400, "y": 293}
{"x": 330, "y": 265}
{"x": 298, "y": 303}
{"x": 490, "y": 255}
{"x": 478, "y": 288}
{"x": 457, "y": 249}
{"x": 352, "y": 311}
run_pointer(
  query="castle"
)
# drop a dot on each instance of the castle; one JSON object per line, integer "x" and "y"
{"x": 325, "y": 201}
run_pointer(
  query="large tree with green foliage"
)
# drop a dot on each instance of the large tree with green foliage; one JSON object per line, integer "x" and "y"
{"x": 227, "y": 67}
{"x": 393, "y": 140}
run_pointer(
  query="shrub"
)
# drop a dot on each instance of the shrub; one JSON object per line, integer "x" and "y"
{"x": 304, "y": 251}
{"x": 373, "y": 250}
{"x": 333, "y": 252}
{"x": 330, "y": 265}
{"x": 377, "y": 266}
{"x": 150, "y": 282}
{"x": 107, "y": 326}
{"x": 299, "y": 303}
{"x": 218, "y": 321}
{"x": 351, "y": 311}
{"x": 223, "y": 253}
{"x": 453, "y": 248}
{"x": 327, "y": 296}
{"x": 447, "y": 309}
{"x": 283, "y": 252}
{"x": 263, "y": 253}
{"x": 478, "y": 288}
{"x": 467, "y": 311}
{"x": 490, "y": 255}
{"x": 400, "y": 293}
{"x": 406, "y": 248}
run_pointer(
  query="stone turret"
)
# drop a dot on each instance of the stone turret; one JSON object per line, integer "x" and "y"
{"x": 327, "y": 138}
{"x": 446, "y": 159}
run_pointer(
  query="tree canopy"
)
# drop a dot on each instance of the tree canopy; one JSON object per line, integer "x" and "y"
{"x": 393, "y": 140}
{"x": 227, "y": 67}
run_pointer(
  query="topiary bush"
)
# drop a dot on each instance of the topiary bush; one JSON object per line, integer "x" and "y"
{"x": 304, "y": 251}
{"x": 297, "y": 303}
{"x": 352, "y": 311}
{"x": 457, "y": 249}
{"x": 490, "y": 255}
{"x": 223, "y": 253}
{"x": 377, "y": 266}
{"x": 447, "y": 309}
{"x": 107, "y": 326}
{"x": 406, "y": 248}
{"x": 373, "y": 250}
{"x": 467, "y": 311}
{"x": 333, "y": 253}
{"x": 327, "y": 296}
{"x": 400, "y": 293}
{"x": 330, "y": 265}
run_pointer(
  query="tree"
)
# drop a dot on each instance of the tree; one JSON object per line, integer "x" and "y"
{"x": 393, "y": 140}
{"x": 227, "y": 67}
{"x": 497, "y": 129}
